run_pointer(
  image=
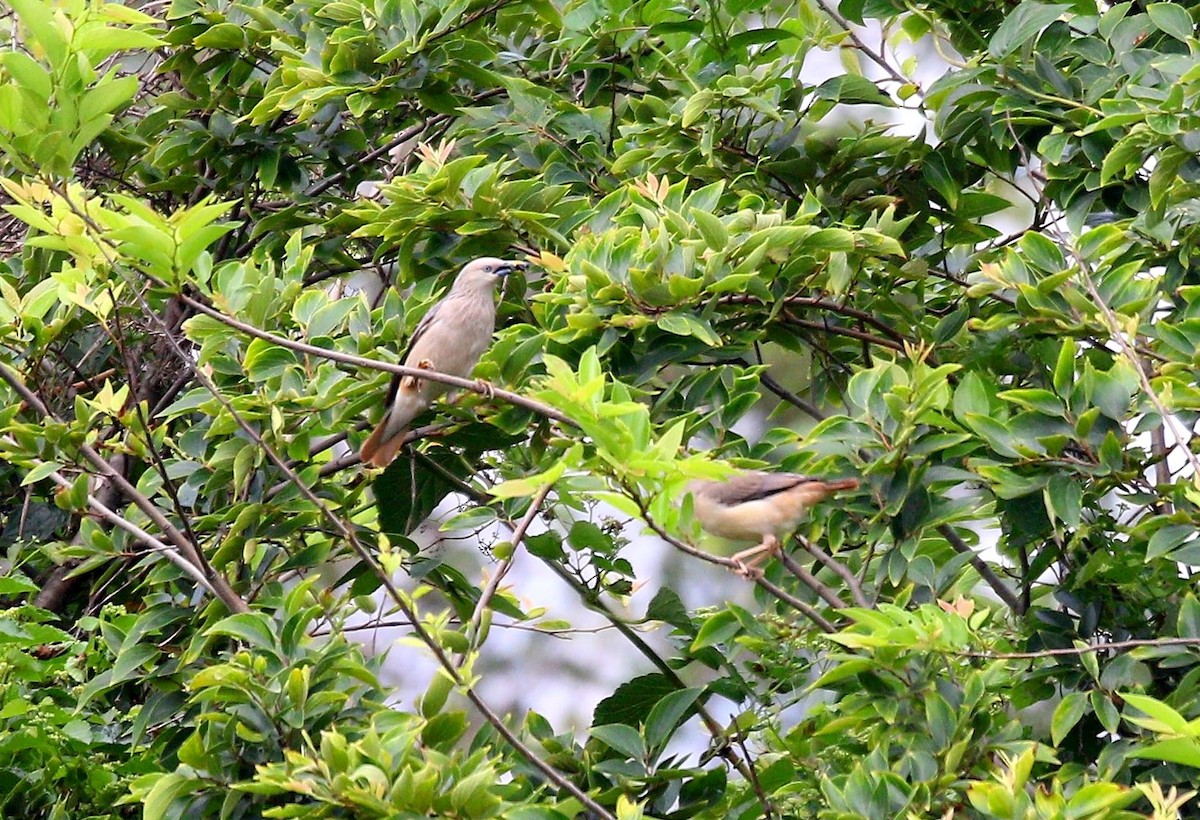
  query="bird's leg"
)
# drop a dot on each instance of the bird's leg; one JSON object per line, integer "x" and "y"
{"x": 757, "y": 555}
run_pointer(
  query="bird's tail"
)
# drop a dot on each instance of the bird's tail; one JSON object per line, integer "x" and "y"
{"x": 384, "y": 442}
{"x": 380, "y": 448}
{"x": 841, "y": 484}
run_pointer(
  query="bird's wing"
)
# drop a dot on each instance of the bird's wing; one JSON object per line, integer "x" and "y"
{"x": 751, "y": 486}
{"x": 426, "y": 321}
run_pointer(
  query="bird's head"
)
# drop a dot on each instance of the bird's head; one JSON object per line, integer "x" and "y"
{"x": 484, "y": 272}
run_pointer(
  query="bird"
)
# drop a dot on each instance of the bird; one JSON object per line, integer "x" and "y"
{"x": 758, "y": 506}
{"x": 450, "y": 338}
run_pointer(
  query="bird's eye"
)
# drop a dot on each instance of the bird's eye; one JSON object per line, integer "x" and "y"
{"x": 487, "y": 268}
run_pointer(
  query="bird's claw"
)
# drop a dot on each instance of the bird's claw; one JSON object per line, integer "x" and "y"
{"x": 412, "y": 382}
{"x": 485, "y": 388}
{"x": 750, "y": 570}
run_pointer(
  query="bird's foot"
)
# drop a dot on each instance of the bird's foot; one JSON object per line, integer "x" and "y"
{"x": 485, "y": 388}
{"x": 747, "y": 569}
{"x": 748, "y": 563}
{"x": 412, "y": 382}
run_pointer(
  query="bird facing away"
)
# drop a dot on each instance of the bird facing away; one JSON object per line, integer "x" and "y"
{"x": 759, "y": 506}
{"x": 450, "y": 338}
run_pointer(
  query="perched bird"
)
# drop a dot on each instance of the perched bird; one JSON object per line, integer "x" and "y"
{"x": 759, "y": 506}
{"x": 449, "y": 339}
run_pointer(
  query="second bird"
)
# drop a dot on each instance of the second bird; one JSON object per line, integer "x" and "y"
{"x": 449, "y": 339}
{"x": 759, "y": 506}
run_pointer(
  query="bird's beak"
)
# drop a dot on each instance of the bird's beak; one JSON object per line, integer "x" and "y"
{"x": 508, "y": 267}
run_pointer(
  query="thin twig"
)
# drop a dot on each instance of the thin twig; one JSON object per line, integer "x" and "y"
{"x": 985, "y": 572}
{"x": 771, "y": 383}
{"x": 592, "y": 601}
{"x": 839, "y": 568}
{"x": 101, "y": 509}
{"x": 862, "y": 335}
{"x": 778, "y": 592}
{"x": 401, "y": 602}
{"x": 809, "y": 580}
{"x": 518, "y": 535}
{"x": 404, "y": 136}
{"x": 347, "y": 533}
{"x": 1114, "y": 646}
{"x": 216, "y": 582}
{"x": 878, "y": 59}
{"x": 824, "y": 304}
{"x": 1181, "y": 436}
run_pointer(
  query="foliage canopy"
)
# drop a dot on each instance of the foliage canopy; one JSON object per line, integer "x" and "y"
{"x": 960, "y": 268}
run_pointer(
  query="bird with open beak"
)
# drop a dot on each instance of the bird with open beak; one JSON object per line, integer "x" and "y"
{"x": 449, "y": 339}
{"x": 759, "y": 506}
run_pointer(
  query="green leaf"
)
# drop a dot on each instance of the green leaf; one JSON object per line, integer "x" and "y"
{"x": 16, "y": 585}
{"x": 1113, "y": 391}
{"x": 666, "y": 606}
{"x": 228, "y": 36}
{"x": 1185, "y": 751}
{"x": 167, "y": 788}
{"x": 686, "y": 324}
{"x": 970, "y": 397}
{"x": 1166, "y": 539}
{"x": 1022, "y": 25}
{"x": 697, "y": 104}
{"x": 621, "y": 738}
{"x": 1066, "y": 715}
{"x": 1064, "y": 368}
{"x": 850, "y": 89}
{"x": 1035, "y": 399}
{"x": 264, "y": 360}
{"x": 633, "y": 700}
{"x": 251, "y": 628}
{"x": 1042, "y": 252}
{"x": 130, "y": 660}
{"x": 36, "y": 16}
{"x": 106, "y": 98}
{"x": 29, "y": 74}
{"x": 1172, "y": 19}
{"x": 1096, "y": 799}
{"x": 716, "y": 629}
{"x": 1170, "y": 719}
{"x": 715, "y": 234}
{"x": 40, "y": 472}
{"x": 1187, "y": 625}
{"x": 666, "y": 716}
{"x": 1064, "y": 499}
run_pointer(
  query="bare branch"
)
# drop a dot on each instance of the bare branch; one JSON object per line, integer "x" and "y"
{"x": 215, "y": 582}
{"x": 985, "y": 572}
{"x": 472, "y": 385}
{"x": 1114, "y": 646}
{"x": 811, "y": 581}
{"x": 518, "y": 535}
{"x": 839, "y": 568}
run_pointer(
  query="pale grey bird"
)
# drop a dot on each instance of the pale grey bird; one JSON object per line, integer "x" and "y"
{"x": 449, "y": 339}
{"x": 759, "y": 506}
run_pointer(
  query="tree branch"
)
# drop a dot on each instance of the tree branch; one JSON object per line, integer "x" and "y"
{"x": 985, "y": 572}
{"x": 518, "y": 535}
{"x": 811, "y": 581}
{"x": 215, "y": 582}
{"x": 471, "y": 385}
{"x": 839, "y": 568}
